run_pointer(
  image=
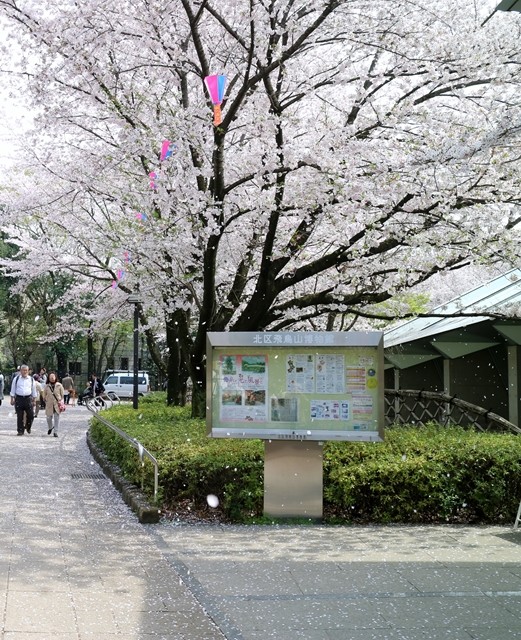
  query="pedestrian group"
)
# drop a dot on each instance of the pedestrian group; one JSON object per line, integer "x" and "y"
{"x": 42, "y": 391}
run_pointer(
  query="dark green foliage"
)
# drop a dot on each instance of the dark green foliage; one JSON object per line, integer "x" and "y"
{"x": 418, "y": 475}
{"x": 425, "y": 474}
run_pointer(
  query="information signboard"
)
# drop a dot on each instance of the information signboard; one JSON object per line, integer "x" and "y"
{"x": 295, "y": 385}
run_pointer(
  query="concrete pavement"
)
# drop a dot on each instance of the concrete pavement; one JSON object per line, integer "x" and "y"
{"x": 76, "y": 565}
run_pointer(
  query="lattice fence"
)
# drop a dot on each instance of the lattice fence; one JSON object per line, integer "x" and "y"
{"x": 418, "y": 407}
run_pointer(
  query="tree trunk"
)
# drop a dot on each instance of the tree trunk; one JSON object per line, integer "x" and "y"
{"x": 61, "y": 361}
{"x": 199, "y": 401}
{"x": 198, "y": 377}
{"x": 91, "y": 356}
{"x": 153, "y": 349}
{"x": 176, "y": 369}
{"x": 102, "y": 354}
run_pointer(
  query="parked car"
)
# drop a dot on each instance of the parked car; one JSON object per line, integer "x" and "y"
{"x": 121, "y": 384}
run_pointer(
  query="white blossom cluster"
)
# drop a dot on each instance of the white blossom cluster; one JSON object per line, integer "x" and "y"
{"x": 365, "y": 146}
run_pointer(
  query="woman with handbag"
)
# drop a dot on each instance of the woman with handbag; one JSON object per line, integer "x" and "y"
{"x": 53, "y": 394}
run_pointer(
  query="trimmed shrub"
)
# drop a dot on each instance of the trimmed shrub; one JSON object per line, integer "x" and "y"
{"x": 425, "y": 474}
{"x": 418, "y": 475}
{"x": 191, "y": 465}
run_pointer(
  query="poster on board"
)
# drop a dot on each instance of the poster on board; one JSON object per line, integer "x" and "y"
{"x": 295, "y": 385}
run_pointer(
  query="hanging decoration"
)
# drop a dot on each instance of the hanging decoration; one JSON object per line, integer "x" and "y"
{"x": 215, "y": 85}
{"x": 167, "y": 149}
{"x": 120, "y": 275}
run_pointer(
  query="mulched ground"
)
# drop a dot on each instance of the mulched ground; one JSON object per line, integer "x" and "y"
{"x": 186, "y": 512}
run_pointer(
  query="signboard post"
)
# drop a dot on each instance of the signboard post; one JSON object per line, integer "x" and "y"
{"x": 295, "y": 390}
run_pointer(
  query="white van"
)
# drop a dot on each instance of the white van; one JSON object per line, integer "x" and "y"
{"x": 121, "y": 384}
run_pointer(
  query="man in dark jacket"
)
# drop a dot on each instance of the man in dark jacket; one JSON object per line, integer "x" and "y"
{"x": 95, "y": 389}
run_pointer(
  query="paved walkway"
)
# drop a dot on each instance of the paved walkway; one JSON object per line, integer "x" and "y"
{"x": 76, "y": 565}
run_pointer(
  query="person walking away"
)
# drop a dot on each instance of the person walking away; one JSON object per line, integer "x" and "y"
{"x": 68, "y": 386}
{"x": 43, "y": 376}
{"x": 23, "y": 398}
{"x": 43, "y": 382}
{"x": 1, "y": 388}
{"x": 97, "y": 389}
{"x": 39, "y": 391}
{"x": 53, "y": 394}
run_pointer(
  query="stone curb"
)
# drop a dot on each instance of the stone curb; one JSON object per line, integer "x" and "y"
{"x": 133, "y": 497}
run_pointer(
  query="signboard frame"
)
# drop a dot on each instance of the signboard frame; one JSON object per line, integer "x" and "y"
{"x": 337, "y": 375}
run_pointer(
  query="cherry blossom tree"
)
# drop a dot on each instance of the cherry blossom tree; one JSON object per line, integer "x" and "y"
{"x": 364, "y": 147}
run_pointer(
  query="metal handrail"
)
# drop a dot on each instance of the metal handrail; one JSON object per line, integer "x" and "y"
{"x": 143, "y": 452}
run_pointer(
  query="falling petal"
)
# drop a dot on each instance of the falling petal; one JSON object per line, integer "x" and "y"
{"x": 212, "y": 500}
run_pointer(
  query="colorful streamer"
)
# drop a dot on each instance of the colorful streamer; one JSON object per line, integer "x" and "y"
{"x": 166, "y": 151}
{"x": 153, "y": 177}
{"x": 216, "y": 85}
{"x": 168, "y": 148}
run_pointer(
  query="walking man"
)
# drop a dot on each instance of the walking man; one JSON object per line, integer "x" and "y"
{"x": 23, "y": 398}
{"x": 68, "y": 386}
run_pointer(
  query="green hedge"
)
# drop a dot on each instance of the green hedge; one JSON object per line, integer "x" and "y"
{"x": 418, "y": 475}
{"x": 425, "y": 474}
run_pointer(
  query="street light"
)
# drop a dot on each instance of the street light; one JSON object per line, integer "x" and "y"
{"x": 136, "y": 301}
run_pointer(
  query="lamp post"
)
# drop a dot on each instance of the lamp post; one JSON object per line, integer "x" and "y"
{"x": 135, "y": 300}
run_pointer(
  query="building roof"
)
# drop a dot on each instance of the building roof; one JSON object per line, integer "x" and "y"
{"x": 505, "y": 5}
{"x": 509, "y": 5}
{"x": 454, "y": 335}
{"x": 502, "y": 295}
